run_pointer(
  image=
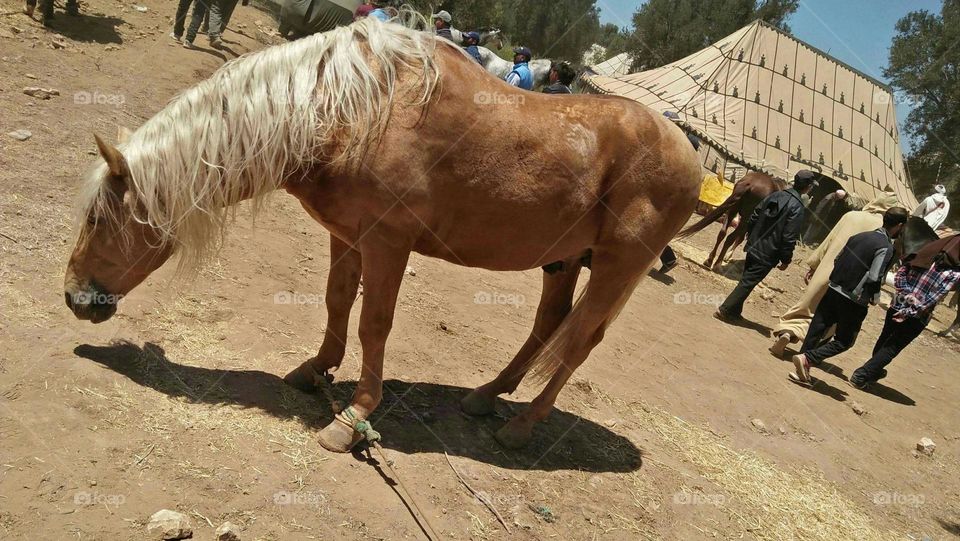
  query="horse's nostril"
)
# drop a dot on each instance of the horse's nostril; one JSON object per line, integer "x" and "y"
{"x": 69, "y": 298}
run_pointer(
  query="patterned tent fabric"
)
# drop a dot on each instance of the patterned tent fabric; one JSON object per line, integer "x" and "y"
{"x": 616, "y": 66}
{"x": 768, "y": 100}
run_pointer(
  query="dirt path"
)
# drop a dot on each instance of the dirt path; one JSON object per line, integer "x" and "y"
{"x": 652, "y": 440}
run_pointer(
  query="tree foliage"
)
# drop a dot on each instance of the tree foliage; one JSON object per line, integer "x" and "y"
{"x": 668, "y": 30}
{"x": 925, "y": 66}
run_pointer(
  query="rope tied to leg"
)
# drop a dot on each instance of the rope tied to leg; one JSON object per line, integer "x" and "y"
{"x": 362, "y": 426}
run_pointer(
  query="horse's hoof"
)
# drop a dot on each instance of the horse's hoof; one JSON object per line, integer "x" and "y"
{"x": 515, "y": 434}
{"x": 302, "y": 377}
{"x": 338, "y": 437}
{"x": 477, "y": 403}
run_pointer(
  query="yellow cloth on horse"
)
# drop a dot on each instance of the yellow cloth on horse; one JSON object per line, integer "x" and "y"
{"x": 796, "y": 320}
{"x": 715, "y": 190}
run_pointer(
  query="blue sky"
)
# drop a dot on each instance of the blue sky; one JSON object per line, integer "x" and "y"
{"x": 857, "y": 32}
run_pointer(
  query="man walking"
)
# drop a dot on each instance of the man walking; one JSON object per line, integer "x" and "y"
{"x": 220, "y": 13}
{"x": 773, "y": 230}
{"x": 855, "y": 283}
{"x": 46, "y": 10}
{"x": 794, "y": 322}
{"x": 922, "y": 282}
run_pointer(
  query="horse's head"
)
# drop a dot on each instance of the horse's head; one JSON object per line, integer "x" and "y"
{"x": 488, "y": 35}
{"x": 116, "y": 247}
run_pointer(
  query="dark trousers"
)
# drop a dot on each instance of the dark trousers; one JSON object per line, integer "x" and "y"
{"x": 893, "y": 339}
{"x": 200, "y": 8}
{"x": 754, "y": 271}
{"x": 46, "y": 7}
{"x": 834, "y": 309}
{"x": 668, "y": 256}
{"x": 220, "y": 13}
{"x": 180, "y": 19}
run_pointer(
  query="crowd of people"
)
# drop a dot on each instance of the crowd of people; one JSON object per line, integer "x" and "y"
{"x": 845, "y": 276}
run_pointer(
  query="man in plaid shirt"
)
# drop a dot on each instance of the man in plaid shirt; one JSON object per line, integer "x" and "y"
{"x": 918, "y": 292}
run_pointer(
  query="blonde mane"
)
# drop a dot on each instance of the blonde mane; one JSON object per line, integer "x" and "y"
{"x": 260, "y": 118}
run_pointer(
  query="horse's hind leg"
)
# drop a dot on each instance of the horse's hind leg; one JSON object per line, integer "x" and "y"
{"x": 612, "y": 280}
{"x": 733, "y": 238}
{"x": 720, "y": 236}
{"x": 342, "y": 284}
{"x": 556, "y": 301}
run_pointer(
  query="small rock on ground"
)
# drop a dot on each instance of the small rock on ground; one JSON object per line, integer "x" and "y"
{"x": 167, "y": 525}
{"x": 758, "y": 425}
{"x": 21, "y": 135}
{"x": 227, "y": 531}
{"x": 858, "y": 408}
{"x": 926, "y": 446}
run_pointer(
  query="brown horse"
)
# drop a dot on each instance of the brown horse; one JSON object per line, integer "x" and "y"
{"x": 747, "y": 193}
{"x": 365, "y": 125}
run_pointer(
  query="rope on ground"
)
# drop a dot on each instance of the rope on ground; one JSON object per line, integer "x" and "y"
{"x": 365, "y": 428}
{"x": 482, "y": 497}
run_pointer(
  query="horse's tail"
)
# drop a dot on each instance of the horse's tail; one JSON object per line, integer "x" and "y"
{"x": 729, "y": 204}
{"x": 581, "y": 328}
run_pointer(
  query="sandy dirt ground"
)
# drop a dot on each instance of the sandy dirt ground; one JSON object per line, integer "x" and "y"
{"x": 177, "y": 402}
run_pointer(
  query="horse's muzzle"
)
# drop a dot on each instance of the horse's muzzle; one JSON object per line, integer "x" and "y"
{"x": 92, "y": 304}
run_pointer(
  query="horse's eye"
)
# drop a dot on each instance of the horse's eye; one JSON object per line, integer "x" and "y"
{"x": 92, "y": 220}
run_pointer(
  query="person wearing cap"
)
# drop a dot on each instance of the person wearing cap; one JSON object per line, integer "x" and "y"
{"x": 521, "y": 76}
{"x": 472, "y": 40}
{"x": 441, "y": 24}
{"x": 772, "y": 233}
{"x": 379, "y": 12}
{"x": 935, "y": 208}
{"x": 561, "y": 77}
{"x": 858, "y": 274}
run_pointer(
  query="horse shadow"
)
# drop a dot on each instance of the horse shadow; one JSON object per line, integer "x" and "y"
{"x": 413, "y": 417}
{"x": 87, "y": 28}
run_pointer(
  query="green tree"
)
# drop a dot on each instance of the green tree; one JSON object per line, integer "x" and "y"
{"x": 668, "y": 30}
{"x": 925, "y": 66}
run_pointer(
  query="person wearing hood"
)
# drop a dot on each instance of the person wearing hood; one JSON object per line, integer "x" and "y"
{"x": 935, "y": 208}
{"x": 521, "y": 76}
{"x": 795, "y": 322}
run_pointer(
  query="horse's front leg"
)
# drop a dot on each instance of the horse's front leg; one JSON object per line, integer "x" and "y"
{"x": 720, "y": 236}
{"x": 383, "y": 266}
{"x": 342, "y": 284}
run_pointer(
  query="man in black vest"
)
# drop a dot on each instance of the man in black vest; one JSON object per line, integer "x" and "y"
{"x": 858, "y": 274}
{"x": 773, "y": 229}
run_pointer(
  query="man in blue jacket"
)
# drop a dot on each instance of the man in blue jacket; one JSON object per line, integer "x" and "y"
{"x": 774, "y": 228}
{"x": 521, "y": 76}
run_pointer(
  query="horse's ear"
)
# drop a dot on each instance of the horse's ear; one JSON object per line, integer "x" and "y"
{"x": 123, "y": 134}
{"x": 113, "y": 157}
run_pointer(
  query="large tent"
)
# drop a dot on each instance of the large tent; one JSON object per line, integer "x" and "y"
{"x": 764, "y": 99}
